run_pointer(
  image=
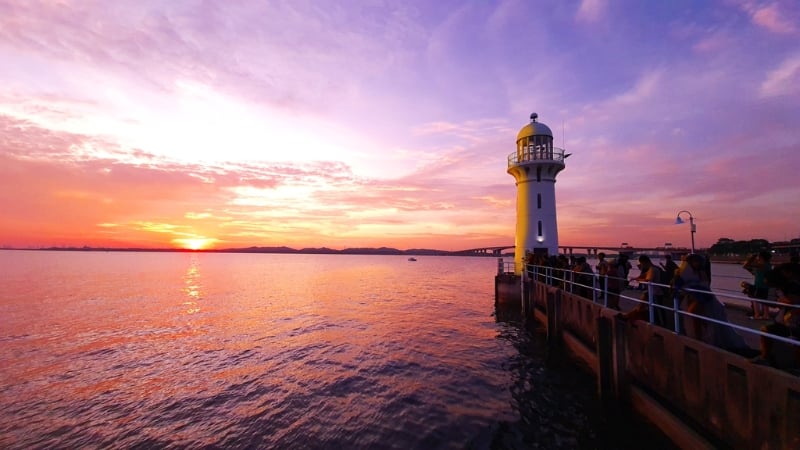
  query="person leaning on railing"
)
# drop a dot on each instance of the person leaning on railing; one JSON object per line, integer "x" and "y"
{"x": 649, "y": 273}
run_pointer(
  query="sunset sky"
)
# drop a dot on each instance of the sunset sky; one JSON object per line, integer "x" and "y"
{"x": 306, "y": 123}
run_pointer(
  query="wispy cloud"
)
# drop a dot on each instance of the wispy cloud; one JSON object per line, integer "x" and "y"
{"x": 784, "y": 80}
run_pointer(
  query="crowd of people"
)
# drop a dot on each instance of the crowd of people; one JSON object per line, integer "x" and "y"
{"x": 779, "y": 286}
{"x": 688, "y": 285}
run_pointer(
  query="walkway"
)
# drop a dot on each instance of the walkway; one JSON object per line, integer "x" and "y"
{"x": 737, "y": 314}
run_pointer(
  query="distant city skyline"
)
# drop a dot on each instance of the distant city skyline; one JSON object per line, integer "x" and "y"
{"x": 189, "y": 124}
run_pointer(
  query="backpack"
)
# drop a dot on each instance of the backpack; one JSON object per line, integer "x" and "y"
{"x": 663, "y": 277}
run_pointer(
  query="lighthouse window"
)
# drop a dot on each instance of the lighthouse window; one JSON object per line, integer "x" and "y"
{"x": 540, "y": 228}
{"x": 539, "y": 200}
{"x": 539, "y": 173}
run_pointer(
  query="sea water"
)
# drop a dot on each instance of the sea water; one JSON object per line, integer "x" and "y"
{"x": 213, "y": 350}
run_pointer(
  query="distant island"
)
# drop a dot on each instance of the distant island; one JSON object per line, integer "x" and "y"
{"x": 724, "y": 250}
{"x": 282, "y": 250}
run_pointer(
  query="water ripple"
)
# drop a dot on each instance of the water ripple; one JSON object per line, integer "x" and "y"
{"x": 276, "y": 351}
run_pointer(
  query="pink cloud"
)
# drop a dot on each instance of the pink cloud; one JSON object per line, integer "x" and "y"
{"x": 773, "y": 19}
{"x": 591, "y": 10}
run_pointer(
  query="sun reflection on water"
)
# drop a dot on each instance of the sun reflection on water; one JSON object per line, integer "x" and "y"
{"x": 192, "y": 286}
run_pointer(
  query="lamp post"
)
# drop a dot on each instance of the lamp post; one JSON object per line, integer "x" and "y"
{"x": 692, "y": 227}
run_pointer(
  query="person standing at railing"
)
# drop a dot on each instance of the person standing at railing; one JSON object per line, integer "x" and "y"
{"x": 625, "y": 266}
{"x": 693, "y": 286}
{"x": 759, "y": 265}
{"x": 583, "y": 277}
{"x": 649, "y": 274}
{"x": 602, "y": 264}
{"x": 562, "y": 266}
{"x": 614, "y": 277}
{"x": 784, "y": 279}
{"x": 669, "y": 267}
{"x": 602, "y": 270}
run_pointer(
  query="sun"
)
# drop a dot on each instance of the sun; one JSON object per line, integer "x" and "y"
{"x": 194, "y": 243}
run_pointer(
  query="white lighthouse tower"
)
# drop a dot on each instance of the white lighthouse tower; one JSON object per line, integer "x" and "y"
{"x": 534, "y": 166}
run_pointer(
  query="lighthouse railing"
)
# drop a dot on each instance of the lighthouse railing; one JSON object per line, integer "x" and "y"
{"x": 528, "y": 154}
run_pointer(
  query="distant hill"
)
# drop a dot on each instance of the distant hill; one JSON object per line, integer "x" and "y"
{"x": 282, "y": 249}
{"x": 346, "y": 251}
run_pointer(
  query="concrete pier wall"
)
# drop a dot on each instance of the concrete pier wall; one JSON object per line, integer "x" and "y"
{"x": 699, "y": 395}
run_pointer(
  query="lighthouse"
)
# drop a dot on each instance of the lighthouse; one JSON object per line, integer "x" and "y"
{"x": 534, "y": 166}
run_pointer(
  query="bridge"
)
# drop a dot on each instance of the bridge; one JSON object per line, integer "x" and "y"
{"x": 483, "y": 251}
{"x": 588, "y": 250}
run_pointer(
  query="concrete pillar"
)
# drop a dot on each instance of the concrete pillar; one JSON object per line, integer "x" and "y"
{"x": 553, "y": 317}
{"x": 620, "y": 358}
{"x": 605, "y": 361}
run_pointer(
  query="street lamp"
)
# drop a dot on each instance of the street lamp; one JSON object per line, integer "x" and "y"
{"x": 692, "y": 227}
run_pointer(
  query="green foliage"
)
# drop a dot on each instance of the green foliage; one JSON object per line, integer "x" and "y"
{"x": 729, "y": 247}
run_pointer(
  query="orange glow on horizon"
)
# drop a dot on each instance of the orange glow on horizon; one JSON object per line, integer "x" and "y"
{"x": 194, "y": 243}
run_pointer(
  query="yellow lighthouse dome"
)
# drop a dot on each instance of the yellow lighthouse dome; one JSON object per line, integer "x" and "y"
{"x": 534, "y": 129}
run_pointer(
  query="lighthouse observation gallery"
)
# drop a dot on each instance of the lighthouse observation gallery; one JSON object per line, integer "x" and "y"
{"x": 534, "y": 166}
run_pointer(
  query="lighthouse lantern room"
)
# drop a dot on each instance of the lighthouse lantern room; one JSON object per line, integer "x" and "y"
{"x": 534, "y": 166}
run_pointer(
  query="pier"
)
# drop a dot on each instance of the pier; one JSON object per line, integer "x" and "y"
{"x": 699, "y": 395}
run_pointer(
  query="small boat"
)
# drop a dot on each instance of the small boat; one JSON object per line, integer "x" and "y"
{"x": 412, "y": 259}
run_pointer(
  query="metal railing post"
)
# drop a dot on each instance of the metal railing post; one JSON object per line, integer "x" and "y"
{"x": 650, "y": 302}
{"x": 676, "y": 311}
{"x": 605, "y": 291}
{"x": 594, "y": 288}
{"x": 571, "y": 281}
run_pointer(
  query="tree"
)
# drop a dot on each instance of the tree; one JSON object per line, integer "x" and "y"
{"x": 729, "y": 247}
